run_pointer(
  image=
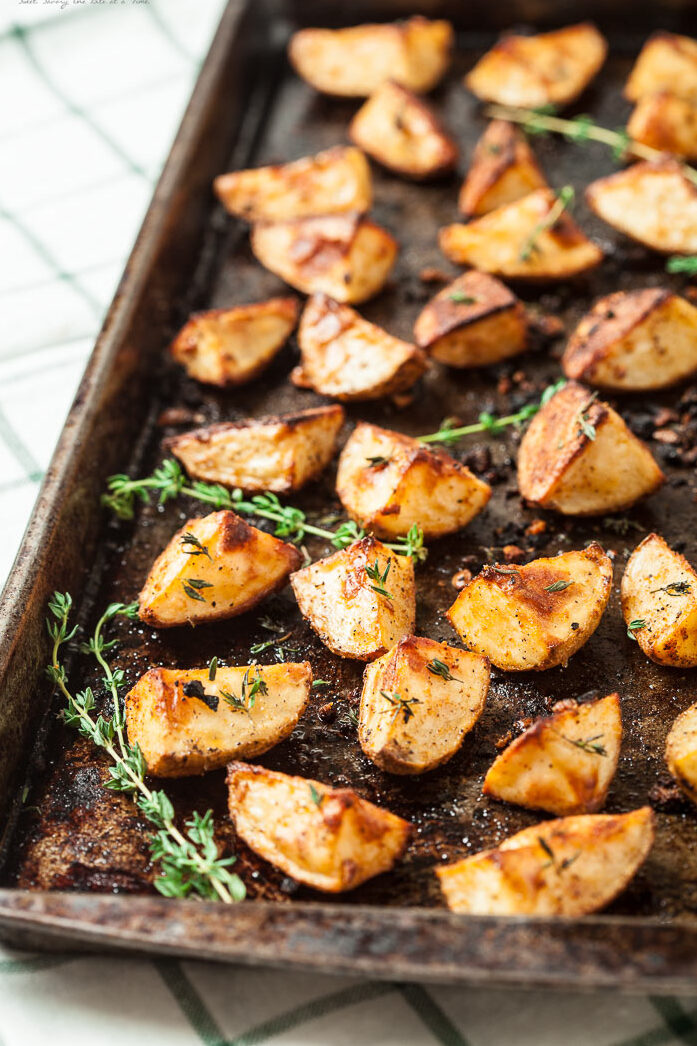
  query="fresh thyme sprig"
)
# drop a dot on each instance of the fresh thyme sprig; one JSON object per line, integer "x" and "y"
{"x": 248, "y": 693}
{"x": 439, "y": 668}
{"x": 634, "y": 626}
{"x": 189, "y": 863}
{"x": 379, "y": 579}
{"x": 588, "y": 744}
{"x": 564, "y": 200}
{"x": 559, "y": 866}
{"x": 448, "y": 433}
{"x": 403, "y": 705}
{"x": 674, "y": 588}
{"x": 197, "y": 549}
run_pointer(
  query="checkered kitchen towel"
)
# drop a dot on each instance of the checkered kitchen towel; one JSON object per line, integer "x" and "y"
{"x": 91, "y": 95}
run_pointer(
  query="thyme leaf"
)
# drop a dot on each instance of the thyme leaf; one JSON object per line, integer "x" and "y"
{"x": 193, "y": 585}
{"x": 564, "y": 200}
{"x": 461, "y": 298}
{"x": 682, "y": 263}
{"x": 316, "y": 797}
{"x": 439, "y": 668}
{"x": 197, "y": 549}
{"x": 403, "y": 705}
{"x": 634, "y": 626}
{"x": 558, "y": 586}
{"x": 379, "y": 579}
{"x": 588, "y": 744}
{"x": 675, "y": 588}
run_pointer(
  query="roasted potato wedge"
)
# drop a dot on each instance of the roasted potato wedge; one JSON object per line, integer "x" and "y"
{"x": 328, "y": 838}
{"x": 360, "y": 601}
{"x": 279, "y": 453}
{"x": 353, "y": 62}
{"x": 473, "y": 322}
{"x": 666, "y": 122}
{"x": 215, "y": 567}
{"x": 667, "y": 62}
{"x": 547, "y": 69}
{"x": 653, "y": 203}
{"x": 563, "y": 763}
{"x": 418, "y": 703}
{"x": 347, "y": 358}
{"x": 534, "y": 617}
{"x": 579, "y": 458}
{"x": 401, "y": 132}
{"x": 681, "y": 751}
{"x": 232, "y": 346}
{"x": 571, "y": 866}
{"x": 389, "y": 482}
{"x": 336, "y": 181}
{"x": 659, "y": 603}
{"x": 634, "y": 340}
{"x": 344, "y": 256}
{"x": 516, "y": 242}
{"x": 185, "y": 723}
{"x": 503, "y": 169}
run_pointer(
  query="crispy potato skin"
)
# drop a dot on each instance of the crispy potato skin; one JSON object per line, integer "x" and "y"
{"x": 498, "y": 242}
{"x": 563, "y": 763}
{"x": 681, "y": 751}
{"x": 181, "y": 734}
{"x": 280, "y": 453}
{"x": 244, "y": 567}
{"x": 503, "y": 169}
{"x": 669, "y": 635}
{"x": 562, "y": 468}
{"x": 353, "y": 62}
{"x": 652, "y": 203}
{"x": 473, "y": 322}
{"x": 444, "y": 710}
{"x": 513, "y": 616}
{"x": 344, "y": 256}
{"x": 232, "y": 346}
{"x": 529, "y": 71}
{"x": 349, "y": 359}
{"x": 666, "y": 62}
{"x": 328, "y": 838}
{"x": 402, "y": 133}
{"x": 337, "y": 597}
{"x": 409, "y": 484}
{"x": 594, "y": 858}
{"x": 666, "y": 122}
{"x": 336, "y": 181}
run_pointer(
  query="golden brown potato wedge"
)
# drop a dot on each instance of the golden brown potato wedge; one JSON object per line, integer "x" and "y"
{"x": 571, "y": 866}
{"x": 215, "y": 567}
{"x": 389, "y": 482}
{"x": 336, "y": 181}
{"x": 360, "y": 601}
{"x": 681, "y": 751}
{"x": 418, "y": 703}
{"x": 667, "y": 62}
{"x": 344, "y": 256}
{"x": 503, "y": 169}
{"x": 280, "y": 453}
{"x": 185, "y": 723}
{"x": 347, "y": 358}
{"x": 517, "y": 242}
{"x": 579, "y": 458}
{"x": 659, "y": 603}
{"x": 653, "y": 203}
{"x": 534, "y": 617}
{"x": 547, "y": 69}
{"x": 328, "y": 838}
{"x": 563, "y": 763}
{"x": 666, "y": 122}
{"x": 232, "y": 346}
{"x": 353, "y": 62}
{"x": 401, "y": 132}
{"x": 473, "y": 322}
{"x": 633, "y": 340}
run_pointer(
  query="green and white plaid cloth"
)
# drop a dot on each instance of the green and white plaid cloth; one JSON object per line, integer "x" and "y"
{"x": 92, "y": 94}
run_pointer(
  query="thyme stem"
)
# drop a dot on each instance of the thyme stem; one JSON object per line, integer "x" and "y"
{"x": 488, "y": 423}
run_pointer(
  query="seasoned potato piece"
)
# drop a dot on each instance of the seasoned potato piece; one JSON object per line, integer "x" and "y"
{"x": 517, "y": 242}
{"x": 329, "y": 838}
{"x": 667, "y": 122}
{"x": 232, "y": 346}
{"x": 681, "y": 751}
{"x": 653, "y": 203}
{"x": 547, "y": 69}
{"x": 279, "y": 453}
{"x": 215, "y": 567}
{"x": 401, "y": 132}
{"x": 667, "y": 62}
{"x": 336, "y": 181}
{"x": 418, "y": 703}
{"x": 185, "y": 723}
{"x": 534, "y": 617}
{"x": 342, "y": 255}
{"x": 388, "y": 482}
{"x": 474, "y": 321}
{"x": 503, "y": 169}
{"x": 633, "y": 340}
{"x": 579, "y": 458}
{"x": 572, "y": 866}
{"x": 344, "y": 356}
{"x": 353, "y": 62}
{"x": 659, "y": 603}
{"x": 360, "y": 601}
{"x": 564, "y": 762}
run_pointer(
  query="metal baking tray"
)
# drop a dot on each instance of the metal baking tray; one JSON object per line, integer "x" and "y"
{"x": 74, "y": 867}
